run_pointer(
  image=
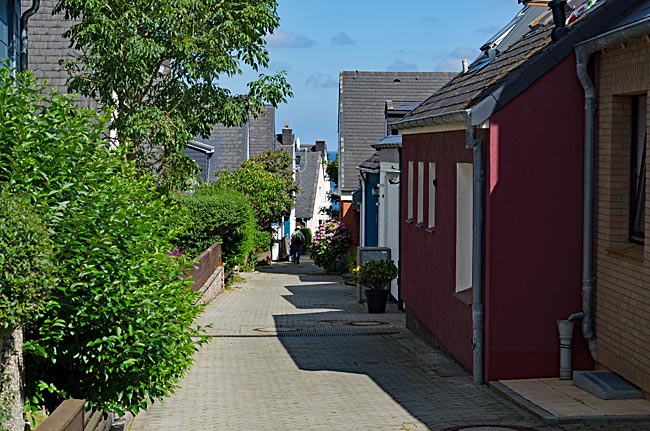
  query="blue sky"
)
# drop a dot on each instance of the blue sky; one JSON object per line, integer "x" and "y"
{"x": 318, "y": 38}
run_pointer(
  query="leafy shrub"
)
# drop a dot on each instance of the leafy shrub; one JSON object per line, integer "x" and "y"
{"x": 25, "y": 262}
{"x": 267, "y": 181}
{"x": 119, "y": 325}
{"x": 375, "y": 274}
{"x": 308, "y": 236}
{"x": 214, "y": 215}
{"x": 330, "y": 245}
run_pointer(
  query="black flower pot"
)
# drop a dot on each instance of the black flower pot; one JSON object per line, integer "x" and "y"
{"x": 376, "y": 300}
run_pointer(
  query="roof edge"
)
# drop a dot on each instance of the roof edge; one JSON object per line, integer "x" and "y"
{"x": 435, "y": 120}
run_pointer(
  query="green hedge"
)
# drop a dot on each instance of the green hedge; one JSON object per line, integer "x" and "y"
{"x": 26, "y": 254}
{"x": 308, "y": 235}
{"x": 213, "y": 215}
{"x": 118, "y": 328}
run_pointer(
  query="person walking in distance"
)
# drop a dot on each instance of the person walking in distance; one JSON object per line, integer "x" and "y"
{"x": 295, "y": 246}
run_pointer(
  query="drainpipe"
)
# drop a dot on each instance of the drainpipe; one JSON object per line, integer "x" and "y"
{"x": 23, "y": 33}
{"x": 478, "y": 307}
{"x": 583, "y": 54}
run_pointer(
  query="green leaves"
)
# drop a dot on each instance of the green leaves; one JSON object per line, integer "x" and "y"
{"x": 117, "y": 327}
{"x": 157, "y": 67}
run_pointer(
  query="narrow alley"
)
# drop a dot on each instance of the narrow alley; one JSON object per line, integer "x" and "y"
{"x": 292, "y": 349}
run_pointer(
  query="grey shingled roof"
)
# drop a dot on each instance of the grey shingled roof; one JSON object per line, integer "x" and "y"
{"x": 371, "y": 163}
{"x": 307, "y": 180}
{"x": 362, "y": 104}
{"x": 486, "y": 90}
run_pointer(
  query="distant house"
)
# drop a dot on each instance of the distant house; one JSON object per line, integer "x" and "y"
{"x": 615, "y": 70}
{"x": 362, "y": 122}
{"x": 314, "y": 188}
{"x": 492, "y": 198}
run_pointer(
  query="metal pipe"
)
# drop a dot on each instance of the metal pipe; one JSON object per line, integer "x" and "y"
{"x": 583, "y": 54}
{"x": 478, "y": 307}
{"x": 36, "y": 4}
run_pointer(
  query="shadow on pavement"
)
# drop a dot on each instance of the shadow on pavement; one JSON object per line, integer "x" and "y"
{"x": 333, "y": 332}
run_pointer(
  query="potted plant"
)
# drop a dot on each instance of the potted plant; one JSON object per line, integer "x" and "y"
{"x": 376, "y": 275}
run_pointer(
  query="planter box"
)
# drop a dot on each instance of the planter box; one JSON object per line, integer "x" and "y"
{"x": 208, "y": 274}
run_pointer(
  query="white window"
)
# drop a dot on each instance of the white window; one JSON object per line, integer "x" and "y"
{"x": 432, "y": 195}
{"x": 420, "y": 192}
{"x": 464, "y": 204}
{"x": 409, "y": 208}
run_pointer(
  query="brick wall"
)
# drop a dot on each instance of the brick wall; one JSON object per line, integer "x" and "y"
{"x": 351, "y": 219}
{"x": 622, "y": 313}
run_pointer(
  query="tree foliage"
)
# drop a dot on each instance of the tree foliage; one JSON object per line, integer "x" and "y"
{"x": 158, "y": 67}
{"x": 118, "y": 329}
{"x": 25, "y": 262}
{"x": 215, "y": 215}
{"x": 267, "y": 181}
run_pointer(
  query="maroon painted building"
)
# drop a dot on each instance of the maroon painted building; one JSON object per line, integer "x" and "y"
{"x": 521, "y": 108}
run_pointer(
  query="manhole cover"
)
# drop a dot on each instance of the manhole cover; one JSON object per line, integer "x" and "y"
{"x": 367, "y": 323}
{"x": 278, "y": 329}
{"x": 487, "y": 428}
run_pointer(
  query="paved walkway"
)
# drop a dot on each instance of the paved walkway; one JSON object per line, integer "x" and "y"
{"x": 293, "y": 350}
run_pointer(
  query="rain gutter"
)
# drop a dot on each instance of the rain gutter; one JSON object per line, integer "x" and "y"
{"x": 24, "y": 44}
{"x": 584, "y": 51}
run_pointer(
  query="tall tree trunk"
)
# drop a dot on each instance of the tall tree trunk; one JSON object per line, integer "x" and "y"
{"x": 11, "y": 381}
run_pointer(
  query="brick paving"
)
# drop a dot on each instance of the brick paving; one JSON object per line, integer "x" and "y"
{"x": 293, "y": 350}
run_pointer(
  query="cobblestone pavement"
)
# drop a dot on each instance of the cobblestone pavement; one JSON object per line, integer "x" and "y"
{"x": 293, "y": 350}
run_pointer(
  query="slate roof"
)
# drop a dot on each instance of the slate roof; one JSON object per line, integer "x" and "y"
{"x": 485, "y": 90}
{"x": 307, "y": 179}
{"x": 362, "y": 104}
{"x": 371, "y": 163}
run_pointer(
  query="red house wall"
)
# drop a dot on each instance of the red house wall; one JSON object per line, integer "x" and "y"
{"x": 427, "y": 279}
{"x": 534, "y": 227}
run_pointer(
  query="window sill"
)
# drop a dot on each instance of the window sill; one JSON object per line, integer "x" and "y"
{"x": 628, "y": 251}
{"x": 431, "y": 229}
{"x": 465, "y": 296}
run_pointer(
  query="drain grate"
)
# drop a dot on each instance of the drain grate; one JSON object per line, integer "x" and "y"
{"x": 303, "y": 334}
{"x": 278, "y": 329}
{"x": 366, "y": 323}
{"x": 487, "y": 428}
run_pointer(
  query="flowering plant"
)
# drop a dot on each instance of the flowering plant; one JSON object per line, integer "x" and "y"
{"x": 375, "y": 274}
{"x": 329, "y": 245}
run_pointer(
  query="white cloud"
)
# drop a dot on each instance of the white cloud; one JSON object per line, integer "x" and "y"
{"x": 279, "y": 65}
{"x": 399, "y": 65}
{"x": 452, "y": 61}
{"x": 342, "y": 39}
{"x": 287, "y": 39}
{"x": 321, "y": 80}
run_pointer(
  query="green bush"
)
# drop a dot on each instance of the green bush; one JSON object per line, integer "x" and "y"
{"x": 214, "y": 215}
{"x": 25, "y": 262}
{"x": 308, "y": 235}
{"x": 119, "y": 325}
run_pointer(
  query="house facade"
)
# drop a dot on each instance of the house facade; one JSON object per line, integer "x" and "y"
{"x": 314, "y": 187}
{"x": 492, "y": 204}
{"x": 620, "y": 58}
{"x": 362, "y": 123}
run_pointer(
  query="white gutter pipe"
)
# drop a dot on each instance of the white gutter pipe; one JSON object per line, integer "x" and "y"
{"x": 583, "y": 54}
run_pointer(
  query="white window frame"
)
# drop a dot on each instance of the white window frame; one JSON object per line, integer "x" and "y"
{"x": 409, "y": 208}
{"x": 420, "y": 218}
{"x": 432, "y": 196}
{"x": 464, "y": 221}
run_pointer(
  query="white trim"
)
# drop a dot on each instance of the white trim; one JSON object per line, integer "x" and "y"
{"x": 409, "y": 191}
{"x": 432, "y": 196}
{"x": 420, "y": 218}
{"x": 464, "y": 237}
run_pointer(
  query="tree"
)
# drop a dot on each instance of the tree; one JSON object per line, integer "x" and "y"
{"x": 332, "y": 174}
{"x": 268, "y": 182}
{"x": 156, "y": 66}
{"x": 118, "y": 326}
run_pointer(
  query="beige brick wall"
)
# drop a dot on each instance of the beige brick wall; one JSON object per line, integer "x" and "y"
{"x": 622, "y": 315}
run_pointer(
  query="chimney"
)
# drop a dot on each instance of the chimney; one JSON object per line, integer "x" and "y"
{"x": 320, "y": 147}
{"x": 465, "y": 65}
{"x": 558, "y": 7}
{"x": 287, "y": 135}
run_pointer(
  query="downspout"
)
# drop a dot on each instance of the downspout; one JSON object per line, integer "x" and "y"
{"x": 583, "y": 54}
{"x": 478, "y": 306}
{"x": 23, "y": 33}
{"x": 400, "y": 303}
